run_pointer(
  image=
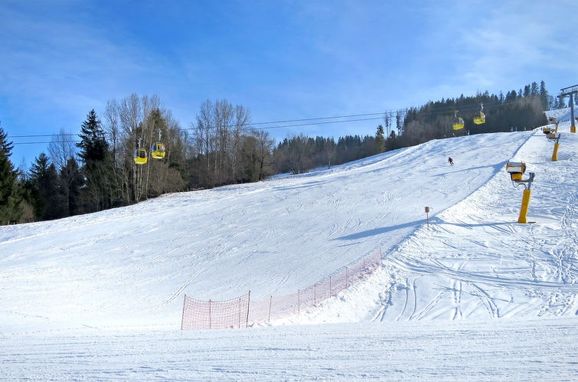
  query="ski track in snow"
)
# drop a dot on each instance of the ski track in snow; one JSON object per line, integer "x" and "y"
{"x": 99, "y": 296}
{"x": 474, "y": 261}
{"x": 130, "y": 266}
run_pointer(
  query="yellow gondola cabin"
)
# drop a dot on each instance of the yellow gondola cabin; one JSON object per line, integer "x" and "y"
{"x": 480, "y": 118}
{"x": 158, "y": 151}
{"x": 458, "y": 123}
{"x": 140, "y": 157}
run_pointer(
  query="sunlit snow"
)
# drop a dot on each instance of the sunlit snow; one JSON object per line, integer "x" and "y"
{"x": 92, "y": 282}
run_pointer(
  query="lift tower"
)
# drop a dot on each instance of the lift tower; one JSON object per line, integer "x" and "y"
{"x": 570, "y": 91}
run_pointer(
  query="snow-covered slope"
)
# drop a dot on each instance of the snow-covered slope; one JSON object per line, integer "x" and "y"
{"x": 131, "y": 266}
{"x": 126, "y": 270}
{"x": 474, "y": 261}
{"x": 562, "y": 115}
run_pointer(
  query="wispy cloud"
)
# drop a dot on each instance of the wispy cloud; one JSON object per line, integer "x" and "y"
{"x": 65, "y": 62}
{"x": 282, "y": 59}
{"x": 517, "y": 39}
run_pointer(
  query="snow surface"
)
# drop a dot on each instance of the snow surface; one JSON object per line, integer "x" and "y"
{"x": 500, "y": 350}
{"x": 474, "y": 261}
{"x": 562, "y": 115}
{"x": 105, "y": 290}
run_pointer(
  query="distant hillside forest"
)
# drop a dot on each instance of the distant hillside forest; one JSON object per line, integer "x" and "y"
{"x": 96, "y": 170}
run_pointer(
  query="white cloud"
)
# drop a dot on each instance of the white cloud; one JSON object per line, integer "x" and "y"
{"x": 517, "y": 40}
{"x": 66, "y": 62}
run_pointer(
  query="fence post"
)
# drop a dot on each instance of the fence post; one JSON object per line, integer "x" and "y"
{"x": 298, "y": 302}
{"x": 270, "y": 302}
{"x": 210, "y": 314}
{"x": 248, "y": 307}
{"x": 346, "y": 277}
{"x": 239, "y": 313}
{"x": 183, "y": 316}
{"x": 315, "y": 294}
{"x": 330, "y": 286}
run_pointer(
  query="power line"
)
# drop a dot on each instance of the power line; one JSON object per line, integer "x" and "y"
{"x": 248, "y": 125}
{"x": 38, "y": 143}
{"x": 318, "y": 123}
{"x": 317, "y": 118}
{"x": 321, "y": 122}
{"x": 449, "y": 110}
{"x": 42, "y": 135}
{"x": 256, "y": 128}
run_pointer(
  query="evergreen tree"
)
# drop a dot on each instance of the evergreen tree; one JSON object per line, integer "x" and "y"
{"x": 544, "y": 97}
{"x": 380, "y": 139}
{"x": 399, "y": 122}
{"x": 93, "y": 145}
{"x": 48, "y": 200}
{"x": 72, "y": 181}
{"x": 534, "y": 89}
{"x": 391, "y": 143}
{"x": 10, "y": 190}
{"x": 97, "y": 169}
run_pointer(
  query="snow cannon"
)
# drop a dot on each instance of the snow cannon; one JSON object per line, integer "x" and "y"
{"x": 553, "y": 137}
{"x": 548, "y": 129}
{"x": 516, "y": 171}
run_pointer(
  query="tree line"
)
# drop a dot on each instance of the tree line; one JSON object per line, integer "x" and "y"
{"x": 221, "y": 147}
{"x": 515, "y": 111}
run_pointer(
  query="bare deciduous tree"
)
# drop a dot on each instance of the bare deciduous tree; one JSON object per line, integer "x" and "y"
{"x": 218, "y": 134}
{"x": 61, "y": 148}
{"x": 139, "y": 122}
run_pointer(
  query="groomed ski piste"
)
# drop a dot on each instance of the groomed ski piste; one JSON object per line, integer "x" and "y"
{"x": 472, "y": 295}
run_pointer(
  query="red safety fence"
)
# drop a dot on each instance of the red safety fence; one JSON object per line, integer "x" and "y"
{"x": 210, "y": 314}
{"x": 242, "y": 312}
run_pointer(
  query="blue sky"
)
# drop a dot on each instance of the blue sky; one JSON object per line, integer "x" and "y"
{"x": 281, "y": 59}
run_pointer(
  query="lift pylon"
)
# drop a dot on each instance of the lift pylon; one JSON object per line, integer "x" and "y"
{"x": 570, "y": 91}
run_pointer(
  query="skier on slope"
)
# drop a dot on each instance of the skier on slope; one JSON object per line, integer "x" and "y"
{"x": 450, "y": 161}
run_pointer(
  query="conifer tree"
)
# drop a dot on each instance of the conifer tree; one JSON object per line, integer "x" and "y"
{"x": 72, "y": 181}
{"x": 380, "y": 139}
{"x": 544, "y": 95}
{"x": 10, "y": 192}
{"x": 97, "y": 165}
{"x": 47, "y": 193}
{"x": 93, "y": 145}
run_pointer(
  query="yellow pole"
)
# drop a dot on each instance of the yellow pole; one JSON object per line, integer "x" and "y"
{"x": 555, "y": 153}
{"x": 525, "y": 203}
{"x": 573, "y": 125}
